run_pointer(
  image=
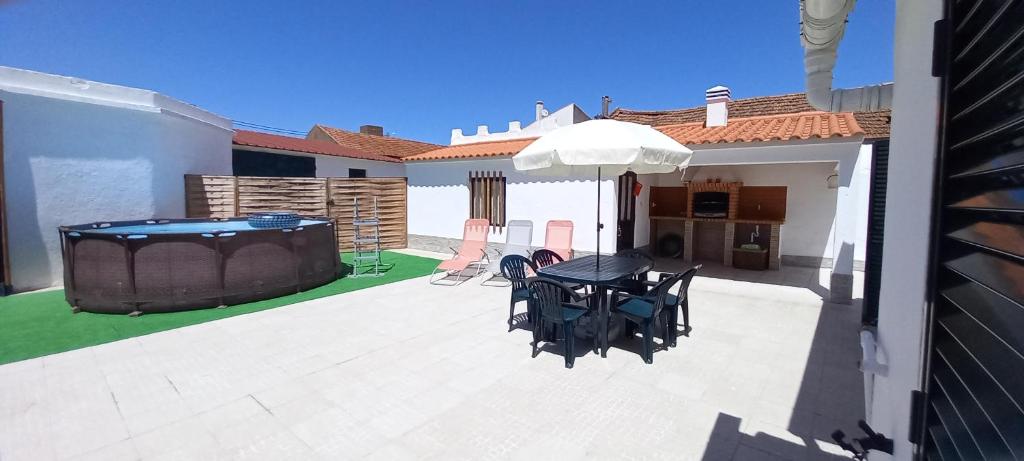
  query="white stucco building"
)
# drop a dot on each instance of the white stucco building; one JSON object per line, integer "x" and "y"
{"x": 821, "y": 162}
{"x": 77, "y": 151}
{"x": 133, "y": 134}
{"x": 439, "y": 200}
{"x": 439, "y": 187}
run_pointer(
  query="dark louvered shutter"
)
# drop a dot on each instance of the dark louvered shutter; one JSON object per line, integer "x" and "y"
{"x": 876, "y": 229}
{"x": 627, "y": 212}
{"x": 974, "y": 379}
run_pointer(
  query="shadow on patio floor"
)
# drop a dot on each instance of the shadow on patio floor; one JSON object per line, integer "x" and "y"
{"x": 793, "y": 276}
{"x": 803, "y": 401}
{"x": 830, "y": 397}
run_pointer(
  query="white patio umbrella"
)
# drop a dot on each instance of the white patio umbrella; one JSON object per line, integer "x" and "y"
{"x": 602, "y": 146}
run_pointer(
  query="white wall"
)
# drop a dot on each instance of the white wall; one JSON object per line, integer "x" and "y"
{"x": 901, "y": 311}
{"x": 439, "y": 201}
{"x": 860, "y": 186}
{"x": 74, "y": 162}
{"x": 810, "y": 204}
{"x": 337, "y": 167}
{"x": 803, "y": 168}
{"x": 642, "y": 225}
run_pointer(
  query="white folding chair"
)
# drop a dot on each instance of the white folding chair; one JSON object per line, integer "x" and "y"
{"x": 518, "y": 237}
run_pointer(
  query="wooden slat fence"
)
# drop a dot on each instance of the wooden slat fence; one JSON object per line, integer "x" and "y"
{"x": 391, "y": 206}
{"x": 211, "y": 196}
{"x": 305, "y": 196}
{"x": 227, "y": 196}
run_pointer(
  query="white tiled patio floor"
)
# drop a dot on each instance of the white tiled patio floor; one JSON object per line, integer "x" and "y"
{"x": 413, "y": 371}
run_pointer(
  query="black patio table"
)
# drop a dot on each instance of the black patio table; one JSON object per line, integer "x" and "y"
{"x": 585, "y": 270}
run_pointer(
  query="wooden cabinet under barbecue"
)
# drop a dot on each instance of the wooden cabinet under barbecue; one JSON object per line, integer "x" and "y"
{"x": 668, "y": 201}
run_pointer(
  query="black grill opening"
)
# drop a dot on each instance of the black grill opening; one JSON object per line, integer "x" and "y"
{"x": 711, "y": 204}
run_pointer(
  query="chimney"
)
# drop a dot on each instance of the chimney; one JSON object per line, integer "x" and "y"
{"x": 605, "y": 101}
{"x": 372, "y": 130}
{"x": 718, "y": 110}
{"x": 540, "y": 110}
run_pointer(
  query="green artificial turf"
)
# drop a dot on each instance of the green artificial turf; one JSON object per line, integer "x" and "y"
{"x": 41, "y": 323}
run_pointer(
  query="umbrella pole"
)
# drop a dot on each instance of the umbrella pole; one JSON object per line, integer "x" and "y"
{"x": 599, "y": 218}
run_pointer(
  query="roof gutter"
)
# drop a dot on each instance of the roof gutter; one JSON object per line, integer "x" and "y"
{"x": 822, "y": 24}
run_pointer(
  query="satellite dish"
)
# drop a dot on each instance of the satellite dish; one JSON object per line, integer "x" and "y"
{"x": 544, "y": 113}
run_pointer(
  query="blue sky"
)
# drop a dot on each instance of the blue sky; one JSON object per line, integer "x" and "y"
{"x": 423, "y": 68}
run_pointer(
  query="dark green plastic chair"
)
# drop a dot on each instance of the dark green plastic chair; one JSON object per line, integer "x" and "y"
{"x": 677, "y": 302}
{"x": 547, "y": 298}
{"x": 513, "y": 268}
{"x": 646, "y": 310}
{"x": 545, "y": 257}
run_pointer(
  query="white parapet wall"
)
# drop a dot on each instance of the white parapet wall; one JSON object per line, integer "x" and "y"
{"x": 439, "y": 201}
{"x": 567, "y": 115}
{"x": 77, "y": 152}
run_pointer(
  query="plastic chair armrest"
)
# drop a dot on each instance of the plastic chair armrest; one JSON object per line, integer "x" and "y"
{"x": 627, "y": 295}
{"x": 617, "y": 295}
{"x": 576, "y": 297}
{"x": 579, "y": 297}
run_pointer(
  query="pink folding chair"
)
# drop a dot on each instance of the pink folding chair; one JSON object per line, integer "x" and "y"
{"x": 472, "y": 252}
{"x": 558, "y": 238}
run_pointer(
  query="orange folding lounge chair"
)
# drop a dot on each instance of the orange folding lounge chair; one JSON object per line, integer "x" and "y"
{"x": 472, "y": 253}
{"x": 558, "y": 238}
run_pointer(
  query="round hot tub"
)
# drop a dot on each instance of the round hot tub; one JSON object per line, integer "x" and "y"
{"x": 166, "y": 265}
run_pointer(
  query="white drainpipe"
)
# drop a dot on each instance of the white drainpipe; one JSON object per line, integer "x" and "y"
{"x": 822, "y": 23}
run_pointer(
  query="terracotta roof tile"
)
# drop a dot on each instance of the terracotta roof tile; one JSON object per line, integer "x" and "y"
{"x": 380, "y": 145}
{"x": 787, "y": 127}
{"x": 875, "y": 124}
{"x": 475, "y": 150}
{"x": 805, "y": 125}
{"x": 309, "y": 146}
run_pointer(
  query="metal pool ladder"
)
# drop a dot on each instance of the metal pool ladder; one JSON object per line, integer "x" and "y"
{"x": 366, "y": 242}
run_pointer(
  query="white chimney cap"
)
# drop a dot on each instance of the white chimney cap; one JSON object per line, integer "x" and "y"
{"x": 718, "y": 93}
